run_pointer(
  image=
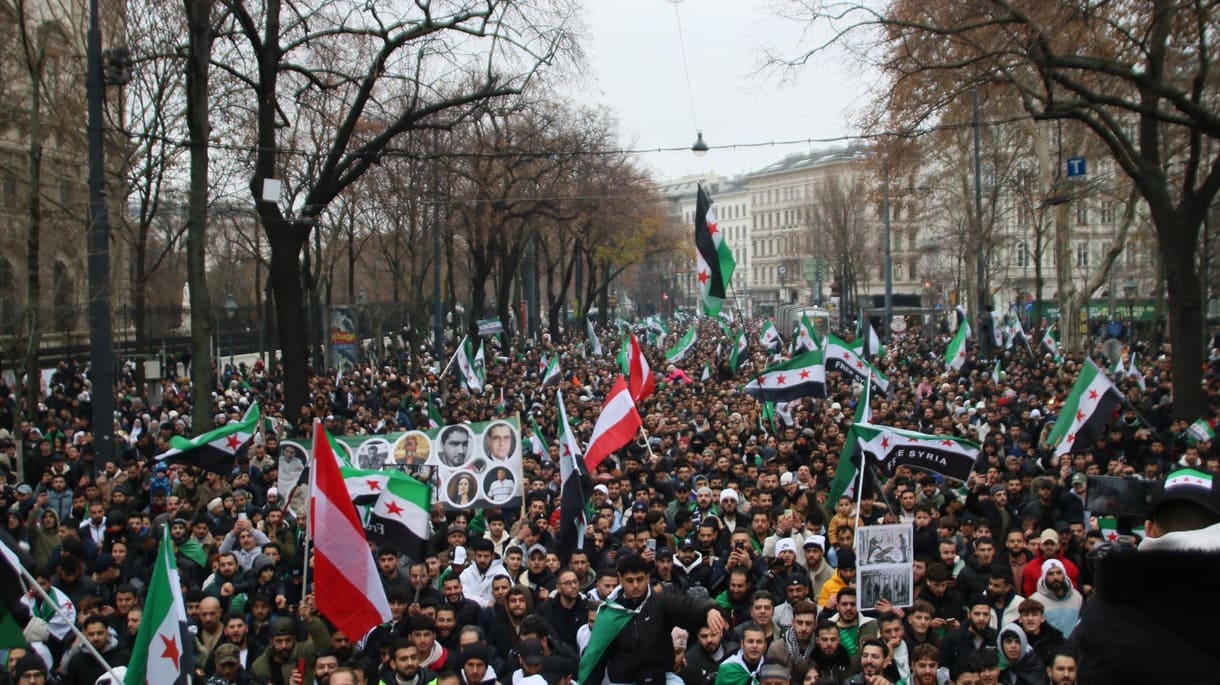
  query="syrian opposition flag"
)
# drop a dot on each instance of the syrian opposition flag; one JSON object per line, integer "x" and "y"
{"x": 434, "y": 415}
{"x": 955, "y": 354}
{"x": 616, "y": 425}
{"x": 1052, "y": 345}
{"x": 1088, "y": 408}
{"x": 867, "y": 340}
{"x": 802, "y": 376}
{"x": 163, "y": 651}
{"x": 842, "y": 357}
{"x": 471, "y": 375}
{"x": 735, "y": 671}
{"x": 740, "y": 353}
{"x": 1188, "y": 479}
{"x": 1133, "y": 371}
{"x": 215, "y": 450}
{"x": 348, "y": 588}
{"x": 769, "y": 338}
{"x": 707, "y": 372}
{"x": 714, "y": 258}
{"x": 1200, "y": 431}
{"x": 14, "y": 613}
{"x": 639, "y": 374}
{"x": 572, "y": 499}
{"x": 400, "y": 516}
{"x": 364, "y": 486}
{"x": 806, "y": 338}
{"x": 538, "y": 442}
{"x": 678, "y": 352}
{"x": 890, "y": 448}
{"x": 849, "y": 476}
{"x": 1108, "y": 525}
{"x": 551, "y": 374}
{"x": 593, "y": 341}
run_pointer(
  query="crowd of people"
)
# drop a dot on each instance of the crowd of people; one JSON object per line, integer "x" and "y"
{"x": 712, "y": 554}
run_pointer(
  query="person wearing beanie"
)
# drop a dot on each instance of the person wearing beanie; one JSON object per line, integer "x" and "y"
{"x": 30, "y": 669}
{"x": 845, "y": 574}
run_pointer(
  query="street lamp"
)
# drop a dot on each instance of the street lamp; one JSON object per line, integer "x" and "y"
{"x": 699, "y": 148}
{"x": 231, "y": 313}
{"x": 362, "y": 301}
{"x": 1129, "y": 288}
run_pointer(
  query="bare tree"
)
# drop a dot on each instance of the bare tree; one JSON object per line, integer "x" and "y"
{"x": 842, "y": 228}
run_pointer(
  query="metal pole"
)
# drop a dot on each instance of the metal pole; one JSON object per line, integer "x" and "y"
{"x": 889, "y": 259}
{"x": 531, "y": 288}
{"x": 101, "y": 347}
{"x": 978, "y": 207}
{"x": 438, "y": 333}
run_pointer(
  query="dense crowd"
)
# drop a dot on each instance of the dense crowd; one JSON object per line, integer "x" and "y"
{"x": 711, "y": 536}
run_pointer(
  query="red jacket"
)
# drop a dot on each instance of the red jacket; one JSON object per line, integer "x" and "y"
{"x": 1033, "y": 572}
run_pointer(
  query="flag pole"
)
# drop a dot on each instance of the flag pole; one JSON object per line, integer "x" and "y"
{"x": 32, "y": 584}
{"x": 455, "y": 354}
{"x": 646, "y": 444}
{"x": 313, "y": 470}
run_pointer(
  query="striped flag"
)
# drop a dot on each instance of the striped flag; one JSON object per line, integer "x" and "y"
{"x": 769, "y": 338}
{"x": 740, "y": 354}
{"x": 348, "y": 588}
{"x": 551, "y": 373}
{"x": 714, "y": 258}
{"x": 687, "y": 343}
{"x": 594, "y": 342}
{"x": 215, "y": 450}
{"x": 891, "y": 447}
{"x": 806, "y": 337}
{"x": 840, "y": 356}
{"x": 572, "y": 496}
{"x": 802, "y": 376}
{"x": 1088, "y": 408}
{"x": 955, "y": 354}
{"x": 1052, "y": 345}
{"x": 538, "y": 442}
{"x": 164, "y": 649}
{"x": 466, "y": 367}
{"x": 1200, "y": 431}
{"x": 616, "y": 425}
{"x": 400, "y": 516}
{"x": 639, "y": 376}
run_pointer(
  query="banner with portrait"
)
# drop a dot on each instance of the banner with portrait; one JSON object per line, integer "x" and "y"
{"x": 469, "y": 465}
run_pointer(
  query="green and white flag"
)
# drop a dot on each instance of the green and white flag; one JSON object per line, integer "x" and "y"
{"x": 1052, "y": 345}
{"x": 364, "y": 485}
{"x": 471, "y": 373}
{"x": 678, "y": 352}
{"x": 707, "y": 372}
{"x": 734, "y": 671}
{"x": 1133, "y": 371}
{"x": 537, "y": 441}
{"x": 1108, "y": 525}
{"x": 612, "y": 617}
{"x": 714, "y": 263}
{"x": 1087, "y": 410}
{"x": 400, "y": 515}
{"x": 890, "y": 448}
{"x": 434, "y": 415}
{"x": 624, "y": 355}
{"x": 995, "y": 372}
{"x": 551, "y": 374}
{"x": 163, "y": 651}
{"x": 740, "y": 353}
{"x": 217, "y": 449}
{"x": 1200, "y": 431}
{"x": 1188, "y": 479}
{"x": 806, "y": 337}
{"x": 841, "y": 357}
{"x": 955, "y": 354}
{"x": 803, "y": 376}
{"x": 593, "y": 340}
{"x": 769, "y": 338}
{"x": 1117, "y": 370}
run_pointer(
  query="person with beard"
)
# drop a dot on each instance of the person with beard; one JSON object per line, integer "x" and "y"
{"x": 972, "y": 579}
{"x": 830, "y": 657}
{"x": 706, "y": 655}
{"x": 1048, "y": 548}
{"x": 730, "y": 517}
{"x": 819, "y": 569}
{"x": 796, "y": 642}
{"x": 1151, "y": 615}
{"x": 475, "y": 666}
{"x": 476, "y": 579}
{"x": 743, "y": 667}
{"x": 690, "y": 562}
{"x": 947, "y": 603}
{"x": 854, "y": 628}
{"x": 189, "y": 554}
{"x": 1019, "y": 663}
{"x": 1062, "y": 668}
{"x": 1060, "y": 600}
{"x": 538, "y": 577}
{"x": 1005, "y": 601}
{"x": 503, "y": 633}
{"x": 566, "y": 610}
{"x": 1017, "y": 556}
{"x": 876, "y": 664}
{"x": 404, "y": 668}
{"x": 976, "y": 634}
{"x": 228, "y": 668}
{"x": 734, "y": 602}
{"x": 795, "y": 590}
{"x": 632, "y": 639}
{"x": 82, "y": 668}
{"x": 286, "y": 650}
{"x": 465, "y": 610}
{"x": 237, "y": 635}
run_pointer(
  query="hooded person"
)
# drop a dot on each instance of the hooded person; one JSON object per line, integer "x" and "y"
{"x": 1150, "y": 617}
{"x": 845, "y": 574}
{"x": 1019, "y": 664}
{"x": 1059, "y": 598}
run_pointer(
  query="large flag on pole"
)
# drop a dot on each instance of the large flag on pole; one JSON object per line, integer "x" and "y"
{"x": 740, "y": 353}
{"x": 572, "y": 489}
{"x": 466, "y": 366}
{"x": 616, "y": 425}
{"x": 806, "y": 338}
{"x": 678, "y": 352}
{"x": 639, "y": 374}
{"x": 841, "y": 356}
{"x": 217, "y": 449}
{"x": 802, "y": 376}
{"x": 593, "y": 340}
{"x": 400, "y": 515}
{"x": 890, "y": 448}
{"x": 714, "y": 261}
{"x": 349, "y": 591}
{"x": 769, "y": 338}
{"x": 1052, "y": 345}
{"x": 1089, "y": 407}
{"x": 163, "y": 651}
{"x": 955, "y": 354}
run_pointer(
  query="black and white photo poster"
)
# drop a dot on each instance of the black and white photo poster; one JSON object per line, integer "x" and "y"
{"x": 885, "y": 556}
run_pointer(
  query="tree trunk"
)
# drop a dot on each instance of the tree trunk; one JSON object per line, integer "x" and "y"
{"x": 33, "y": 293}
{"x": 286, "y": 240}
{"x": 1185, "y": 316}
{"x": 199, "y": 28}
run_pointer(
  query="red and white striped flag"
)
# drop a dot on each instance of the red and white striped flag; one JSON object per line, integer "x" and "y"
{"x": 639, "y": 374}
{"x": 616, "y": 425}
{"x": 348, "y": 589}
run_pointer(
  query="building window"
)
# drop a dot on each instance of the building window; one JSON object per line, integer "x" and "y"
{"x": 1106, "y": 213}
{"x": 898, "y": 271}
{"x": 1022, "y": 254}
{"x": 1082, "y": 254}
{"x": 1082, "y": 213}
{"x": 1022, "y": 213}
{"x": 913, "y": 269}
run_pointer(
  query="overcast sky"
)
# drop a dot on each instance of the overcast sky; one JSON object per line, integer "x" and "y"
{"x": 635, "y": 59}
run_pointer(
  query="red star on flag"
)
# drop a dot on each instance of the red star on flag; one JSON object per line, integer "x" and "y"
{"x": 703, "y": 277}
{"x": 1092, "y": 394}
{"x": 885, "y": 443}
{"x": 1112, "y": 535}
{"x": 846, "y": 355}
{"x": 947, "y": 443}
{"x": 233, "y": 442}
{"x": 779, "y": 380}
{"x": 804, "y": 373}
{"x": 712, "y": 228}
{"x": 373, "y": 484}
{"x": 171, "y": 650}
{"x": 1071, "y": 437}
{"x": 1079, "y": 415}
{"x": 859, "y": 364}
{"x": 393, "y": 508}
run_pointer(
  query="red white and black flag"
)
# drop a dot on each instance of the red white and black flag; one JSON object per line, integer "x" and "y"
{"x": 715, "y": 257}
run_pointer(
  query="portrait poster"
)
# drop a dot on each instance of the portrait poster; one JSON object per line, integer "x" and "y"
{"x": 469, "y": 465}
{"x": 344, "y": 347}
{"x": 884, "y": 560}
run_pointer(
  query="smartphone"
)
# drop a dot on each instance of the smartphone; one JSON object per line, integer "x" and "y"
{"x": 243, "y": 517}
{"x": 301, "y": 666}
{"x": 652, "y": 545}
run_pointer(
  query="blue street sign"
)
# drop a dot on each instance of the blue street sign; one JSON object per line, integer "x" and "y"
{"x": 939, "y": 306}
{"x": 1114, "y": 328}
{"x": 1077, "y": 167}
{"x": 1029, "y": 306}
